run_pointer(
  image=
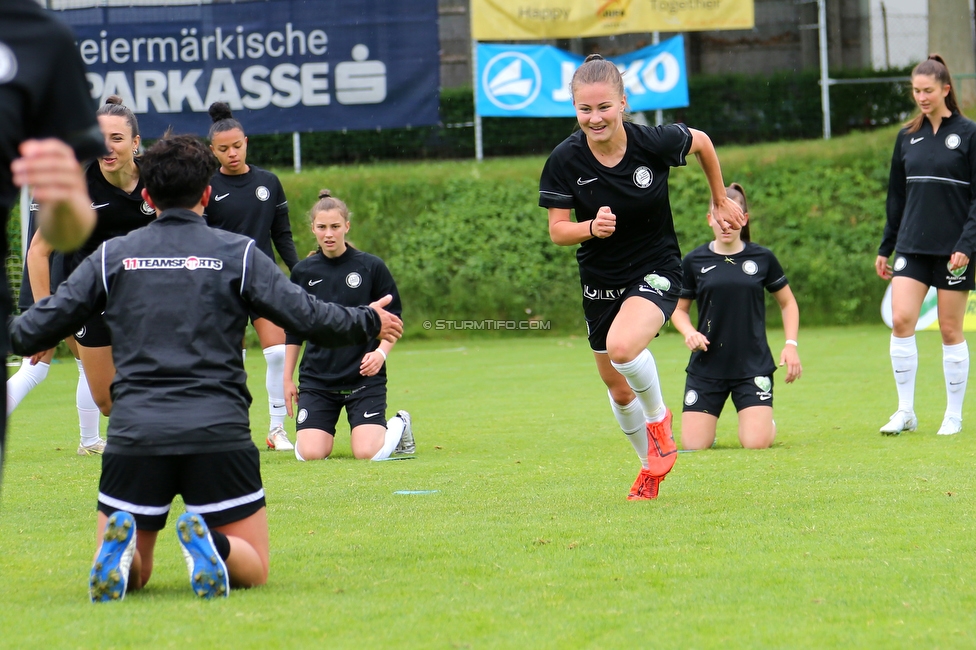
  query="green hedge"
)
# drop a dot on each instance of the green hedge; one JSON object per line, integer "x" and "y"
{"x": 732, "y": 108}
{"x": 468, "y": 241}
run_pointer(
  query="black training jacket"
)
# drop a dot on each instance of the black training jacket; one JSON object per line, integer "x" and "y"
{"x": 176, "y": 296}
{"x": 932, "y": 191}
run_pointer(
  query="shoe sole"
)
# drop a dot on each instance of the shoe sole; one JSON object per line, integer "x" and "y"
{"x": 110, "y": 571}
{"x": 208, "y": 573}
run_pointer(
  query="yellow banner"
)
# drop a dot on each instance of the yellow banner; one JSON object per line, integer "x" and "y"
{"x": 517, "y": 20}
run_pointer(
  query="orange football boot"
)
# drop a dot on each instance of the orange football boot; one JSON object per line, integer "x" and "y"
{"x": 645, "y": 487}
{"x": 661, "y": 450}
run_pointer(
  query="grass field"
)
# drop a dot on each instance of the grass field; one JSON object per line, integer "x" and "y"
{"x": 835, "y": 537}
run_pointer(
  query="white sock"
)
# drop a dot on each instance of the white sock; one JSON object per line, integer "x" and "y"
{"x": 641, "y": 374}
{"x": 394, "y": 429}
{"x": 904, "y": 363}
{"x": 87, "y": 409}
{"x": 955, "y": 364}
{"x": 631, "y": 420}
{"x": 23, "y": 382}
{"x": 275, "y": 382}
{"x": 298, "y": 455}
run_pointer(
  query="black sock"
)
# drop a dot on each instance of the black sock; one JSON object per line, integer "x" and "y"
{"x": 221, "y": 543}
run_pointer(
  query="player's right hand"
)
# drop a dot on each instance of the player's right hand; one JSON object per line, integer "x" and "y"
{"x": 697, "y": 341}
{"x": 882, "y": 268}
{"x": 291, "y": 397}
{"x": 605, "y": 223}
{"x": 391, "y": 327}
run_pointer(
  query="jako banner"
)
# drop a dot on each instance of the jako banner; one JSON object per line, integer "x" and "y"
{"x": 528, "y": 20}
{"x": 282, "y": 65}
{"x": 533, "y": 80}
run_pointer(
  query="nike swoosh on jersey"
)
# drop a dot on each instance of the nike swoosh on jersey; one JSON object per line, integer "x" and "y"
{"x": 367, "y": 414}
{"x": 914, "y": 140}
{"x": 221, "y": 197}
{"x": 704, "y": 270}
{"x": 100, "y": 205}
{"x": 312, "y": 283}
{"x": 580, "y": 181}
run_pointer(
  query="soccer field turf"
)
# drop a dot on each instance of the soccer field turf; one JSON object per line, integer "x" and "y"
{"x": 835, "y": 537}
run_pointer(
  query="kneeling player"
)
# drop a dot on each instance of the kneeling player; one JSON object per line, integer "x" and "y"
{"x": 176, "y": 297}
{"x": 351, "y": 377}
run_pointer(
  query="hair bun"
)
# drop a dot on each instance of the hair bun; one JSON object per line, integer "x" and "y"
{"x": 593, "y": 57}
{"x": 325, "y": 194}
{"x": 220, "y": 111}
{"x": 114, "y": 99}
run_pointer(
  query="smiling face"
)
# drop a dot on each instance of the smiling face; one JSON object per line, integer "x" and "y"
{"x": 599, "y": 111}
{"x": 119, "y": 143}
{"x": 929, "y": 94}
{"x": 330, "y": 228}
{"x": 230, "y": 147}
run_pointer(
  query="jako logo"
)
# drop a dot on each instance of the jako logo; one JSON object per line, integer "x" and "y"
{"x": 511, "y": 81}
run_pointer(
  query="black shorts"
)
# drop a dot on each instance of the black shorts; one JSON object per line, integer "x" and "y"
{"x": 933, "y": 271}
{"x": 223, "y": 487}
{"x": 94, "y": 333}
{"x": 319, "y": 409}
{"x": 600, "y": 306}
{"x": 703, "y": 395}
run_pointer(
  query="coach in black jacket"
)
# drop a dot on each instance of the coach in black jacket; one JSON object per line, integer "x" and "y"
{"x": 176, "y": 296}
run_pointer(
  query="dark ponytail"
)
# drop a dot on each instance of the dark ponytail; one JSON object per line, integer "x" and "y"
{"x": 223, "y": 119}
{"x": 934, "y": 66}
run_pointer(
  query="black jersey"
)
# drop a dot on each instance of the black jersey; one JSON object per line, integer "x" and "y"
{"x": 931, "y": 202}
{"x": 253, "y": 204}
{"x": 353, "y": 279}
{"x": 118, "y": 213}
{"x": 176, "y": 297}
{"x": 43, "y": 93}
{"x": 636, "y": 190}
{"x": 728, "y": 290}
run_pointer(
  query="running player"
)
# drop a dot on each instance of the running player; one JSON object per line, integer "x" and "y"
{"x": 249, "y": 200}
{"x": 176, "y": 296}
{"x": 730, "y": 354}
{"x": 353, "y": 377}
{"x": 116, "y": 192}
{"x": 614, "y": 174}
{"x": 932, "y": 225}
{"x": 33, "y": 370}
{"x": 43, "y": 94}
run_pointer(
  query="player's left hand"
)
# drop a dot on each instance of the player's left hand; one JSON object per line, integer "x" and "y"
{"x": 728, "y": 214}
{"x": 790, "y": 358}
{"x": 372, "y": 363}
{"x": 958, "y": 260}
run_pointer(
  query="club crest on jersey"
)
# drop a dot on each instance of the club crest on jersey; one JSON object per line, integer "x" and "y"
{"x": 958, "y": 272}
{"x": 764, "y": 385}
{"x": 691, "y": 397}
{"x": 750, "y": 268}
{"x": 643, "y": 177}
{"x": 353, "y": 280}
{"x": 900, "y": 264}
{"x": 953, "y": 141}
{"x": 8, "y": 63}
{"x": 191, "y": 263}
{"x": 147, "y": 209}
{"x": 302, "y": 415}
{"x": 262, "y": 193}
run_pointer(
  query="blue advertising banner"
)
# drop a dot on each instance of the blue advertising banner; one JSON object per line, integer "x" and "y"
{"x": 282, "y": 65}
{"x": 533, "y": 80}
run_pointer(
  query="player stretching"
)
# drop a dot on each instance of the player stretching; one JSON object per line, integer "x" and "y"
{"x": 353, "y": 377}
{"x": 176, "y": 296}
{"x": 250, "y": 201}
{"x": 730, "y": 354}
{"x": 614, "y": 174}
